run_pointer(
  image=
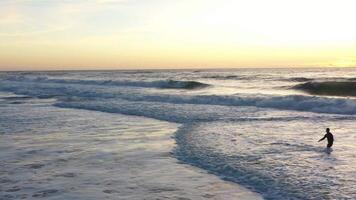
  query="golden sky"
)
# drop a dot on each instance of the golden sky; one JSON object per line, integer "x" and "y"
{"x": 121, "y": 34}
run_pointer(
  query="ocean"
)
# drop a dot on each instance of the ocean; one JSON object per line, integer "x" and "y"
{"x": 178, "y": 134}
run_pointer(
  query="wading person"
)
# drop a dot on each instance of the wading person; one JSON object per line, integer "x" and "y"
{"x": 330, "y": 138}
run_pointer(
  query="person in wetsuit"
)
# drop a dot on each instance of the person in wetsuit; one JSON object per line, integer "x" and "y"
{"x": 330, "y": 138}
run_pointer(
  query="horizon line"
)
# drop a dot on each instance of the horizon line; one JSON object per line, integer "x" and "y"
{"x": 173, "y": 69}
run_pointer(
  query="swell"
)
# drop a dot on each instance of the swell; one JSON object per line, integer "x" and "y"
{"x": 291, "y": 102}
{"x": 224, "y": 77}
{"x": 164, "y": 84}
{"x": 187, "y": 113}
{"x": 298, "y": 79}
{"x": 334, "y": 88}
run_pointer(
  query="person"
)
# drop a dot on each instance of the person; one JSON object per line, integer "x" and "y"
{"x": 330, "y": 138}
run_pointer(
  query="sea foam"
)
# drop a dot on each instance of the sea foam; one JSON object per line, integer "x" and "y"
{"x": 315, "y": 104}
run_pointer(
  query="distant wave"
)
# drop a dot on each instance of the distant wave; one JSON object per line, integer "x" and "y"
{"x": 299, "y": 79}
{"x": 222, "y": 77}
{"x": 181, "y": 84}
{"x": 291, "y": 102}
{"x": 165, "y": 84}
{"x": 235, "y": 77}
{"x": 334, "y": 88}
{"x": 16, "y": 98}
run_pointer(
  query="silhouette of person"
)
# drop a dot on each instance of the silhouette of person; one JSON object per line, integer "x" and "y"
{"x": 330, "y": 138}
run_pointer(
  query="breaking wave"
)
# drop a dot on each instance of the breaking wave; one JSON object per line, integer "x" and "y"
{"x": 181, "y": 84}
{"x": 334, "y": 88}
{"x": 164, "y": 84}
{"x": 290, "y": 102}
{"x": 299, "y": 79}
{"x": 222, "y": 77}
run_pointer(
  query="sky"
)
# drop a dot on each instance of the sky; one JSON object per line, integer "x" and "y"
{"x": 138, "y": 34}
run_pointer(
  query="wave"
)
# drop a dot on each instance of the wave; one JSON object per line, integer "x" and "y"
{"x": 181, "y": 84}
{"x": 222, "y": 77}
{"x": 188, "y": 113}
{"x": 10, "y": 98}
{"x": 164, "y": 84}
{"x": 318, "y": 80}
{"x": 197, "y": 110}
{"x": 298, "y": 79}
{"x": 314, "y": 104}
{"x": 234, "y": 77}
{"x": 334, "y": 88}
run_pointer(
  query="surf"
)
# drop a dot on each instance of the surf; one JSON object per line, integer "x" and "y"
{"x": 164, "y": 84}
{"x": 332, "y": 88}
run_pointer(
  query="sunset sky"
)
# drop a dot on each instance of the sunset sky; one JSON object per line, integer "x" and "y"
{"x": 121, "y": 34}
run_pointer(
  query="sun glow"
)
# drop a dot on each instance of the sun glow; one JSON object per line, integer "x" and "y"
{"x": 157, "y": 33}
{"x": 344, "y": 63}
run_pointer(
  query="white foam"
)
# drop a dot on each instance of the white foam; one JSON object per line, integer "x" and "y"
{"x": 168, "y": 83}
{"x": 288, "y": 102}
{"x": 280, "y": 160}
{"x": 55, "y": 153}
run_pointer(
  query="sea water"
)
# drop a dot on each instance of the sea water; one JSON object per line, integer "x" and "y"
{"x": 171, "y": 134}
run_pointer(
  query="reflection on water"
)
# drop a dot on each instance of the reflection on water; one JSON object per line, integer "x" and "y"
{"x": 267, "y": 156}
{"x": 250, "y": 126}
{"x": 52, "y": 153}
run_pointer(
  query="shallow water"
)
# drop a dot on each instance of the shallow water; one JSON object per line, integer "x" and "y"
{"x": 56, "y": 153}
{"x": 252, "y": 128}
{"x": 282, "y": 160}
